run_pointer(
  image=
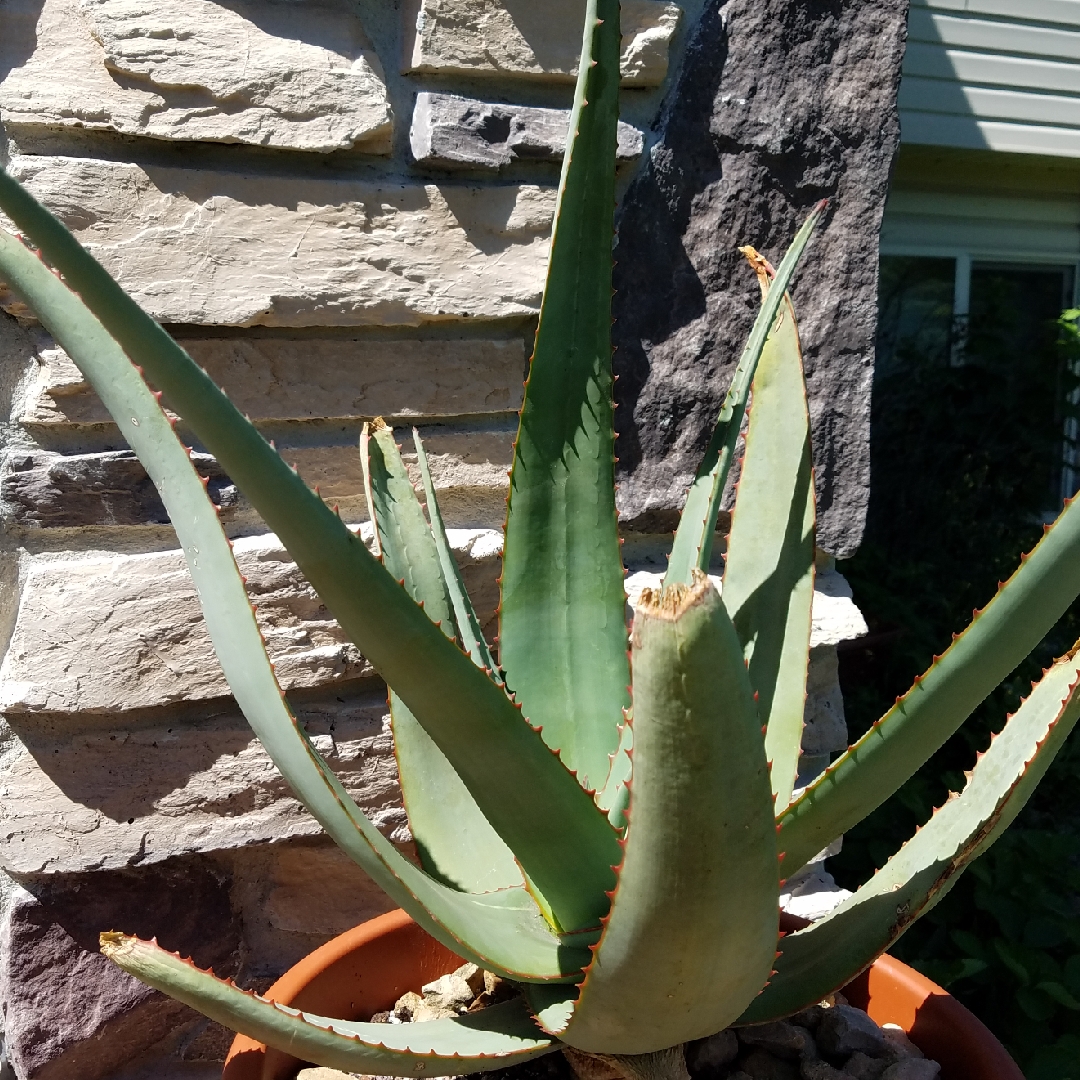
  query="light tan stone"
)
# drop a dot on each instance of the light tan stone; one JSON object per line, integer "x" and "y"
{"x": 137, "y": 792}
{"x": 469, "y": 470}
{"x": 524, "y": 38}
{"x": 279, "y": 378}
{"x": 229, "y": 248}
{"x": 836, "y": 617}
{"x": 169, "y": 69}
{"x": 459, "y": 462}
{"x": 344, "y": 895}
{"x": 44, "y": 490}
{"x": 294, "y": 896}
{"x": 106, "y": 636}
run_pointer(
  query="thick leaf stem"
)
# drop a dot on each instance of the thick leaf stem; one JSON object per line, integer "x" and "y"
{"x": 667, "y": 1064}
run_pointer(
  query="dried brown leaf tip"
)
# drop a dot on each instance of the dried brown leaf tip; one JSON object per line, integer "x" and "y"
{"x": 673, "y": 600}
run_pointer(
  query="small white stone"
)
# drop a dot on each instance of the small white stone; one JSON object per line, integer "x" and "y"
{"x": 900, "y": 1042}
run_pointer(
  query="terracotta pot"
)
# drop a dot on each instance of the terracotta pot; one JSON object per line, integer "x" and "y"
{"x": 367, "y": 969}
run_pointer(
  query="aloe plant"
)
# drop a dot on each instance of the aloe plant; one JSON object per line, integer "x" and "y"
{"x": 602, "y": 817}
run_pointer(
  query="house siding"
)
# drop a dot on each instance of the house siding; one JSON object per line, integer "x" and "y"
{"x": 993, "y": 74}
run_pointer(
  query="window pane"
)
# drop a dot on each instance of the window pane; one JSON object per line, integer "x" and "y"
{"x": 915, "y": 310}
{"x": 1014, "y": 309}
{"x": 1013, "y": 346}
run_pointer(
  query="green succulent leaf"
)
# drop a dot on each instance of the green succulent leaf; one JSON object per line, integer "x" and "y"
{"x": 454, "y": 840}
{"x": 769, "y": 567}
{"x": 692, "y": 932}
{"x": 824, "y": 956}
{"x": 406, "y": 544}
{"x": 561, "y": 838}
{"x": 998, "y": 638}
{"x": 493, "y": 1038}
{"x": 562, "y": 634}
{"x": 469, "y": 631}
{"x": 503, "y": 931}
{"x": 614, "y": 797}
{"x": 692, "y": 549}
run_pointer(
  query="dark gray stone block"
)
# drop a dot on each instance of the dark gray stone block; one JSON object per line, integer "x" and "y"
{"x": 69, "y": 1012}
{"x": 457, "y": 132}
{"x": 778, "y": 104}
{"x": 44, "y": 490}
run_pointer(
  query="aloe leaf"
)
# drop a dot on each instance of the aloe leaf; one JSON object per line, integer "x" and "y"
{"x": 503, "y": 931}
{"x": 998, "y": 638}
{"x": 691, "y": 935}
{"x": 769, "y": 567}
{"x": 562, "y": 840}
{"x": 405, "y": 541}
{"x": 692, "y": 549}
{"x": 493, "y": 1038}
{"x": 562, "y": 635}
{"x": 469, "y": 632}
{"x": 614, "y": 797}
{"x": 454, "y": 840}
{"x": 824, "y": 956}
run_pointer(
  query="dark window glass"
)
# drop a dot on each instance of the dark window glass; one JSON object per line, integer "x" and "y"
{"x": 1014, "y": 310}
{"x": 916, "y": 308}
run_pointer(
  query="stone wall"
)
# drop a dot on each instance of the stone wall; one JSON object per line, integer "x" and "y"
{"x": 351, "y": 222}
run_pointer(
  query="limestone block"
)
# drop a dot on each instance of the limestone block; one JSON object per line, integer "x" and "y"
{"x": 78, "y": 797}
{"x": 469, "y": 469}
{"x": 239, "y": 249}
{"x": 824, "y": 724}
{"x": 526, "y": 39}
{"x": 167, "y": 69}
{"x": 298, "y": 378}
{"x": 465, "y": 465}
{"x": 127, "y": 633}
{"x": 293, "y": 897}
{"x": 773, "y": 111}
{"x": 42, "y": 490}
{"x": 457, "y": 132}
{"x": 835, "y": 615}
{"x": 105, "y": 636}
{"x": 69, "y": 1012}
{"x": 812, "y": 893}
